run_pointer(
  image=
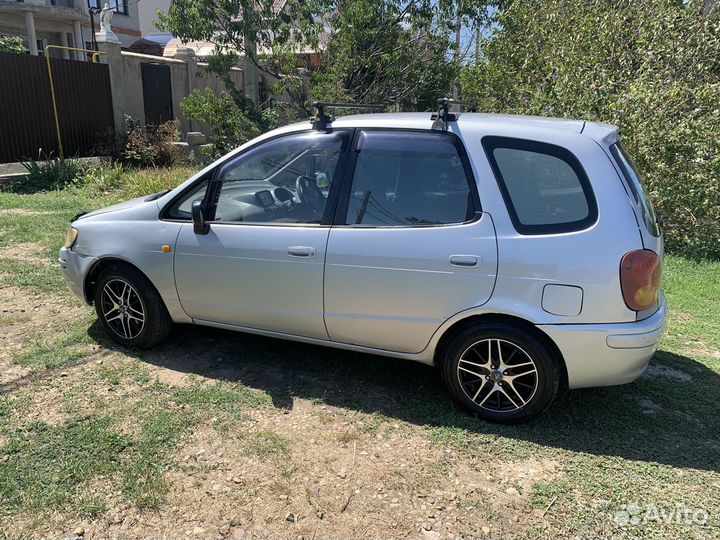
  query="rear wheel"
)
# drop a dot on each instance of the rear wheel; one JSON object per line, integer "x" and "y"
{"x": 500, "y": 372}
{"x": 130, "y": 308}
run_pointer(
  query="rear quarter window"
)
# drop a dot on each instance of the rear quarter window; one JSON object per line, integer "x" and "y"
{"x": 545, "y": 188}
{"x": 634, "y": 183}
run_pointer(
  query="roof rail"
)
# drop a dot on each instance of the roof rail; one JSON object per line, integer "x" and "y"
{"x": 443, "y": 116}
{"x": 321, "y": 120}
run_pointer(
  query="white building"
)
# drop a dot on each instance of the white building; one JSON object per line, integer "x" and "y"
{"x": 65, "y": 22}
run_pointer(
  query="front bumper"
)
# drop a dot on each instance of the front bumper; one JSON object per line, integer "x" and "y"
{"x": 74, "y": 268}
{"x": 608, "y": 354}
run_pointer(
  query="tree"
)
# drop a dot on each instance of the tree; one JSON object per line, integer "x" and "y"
{"x": 265, "y": 33}
{"x": 12, "y": 45}
{"x": 651, "y": 67}
{"x": 393, "y": 52}
{"x": 230, "y": 126}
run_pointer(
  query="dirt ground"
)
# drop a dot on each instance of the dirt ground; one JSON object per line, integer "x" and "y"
{"x": 343, "y": 473}
{"x": 345, "y": 445}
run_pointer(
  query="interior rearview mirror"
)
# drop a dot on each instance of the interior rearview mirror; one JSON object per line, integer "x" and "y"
{"x": 200, "y": 226}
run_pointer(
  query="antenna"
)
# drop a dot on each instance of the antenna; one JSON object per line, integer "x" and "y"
{"x": 321, "y": 120}
{"x": 443, "y": 116}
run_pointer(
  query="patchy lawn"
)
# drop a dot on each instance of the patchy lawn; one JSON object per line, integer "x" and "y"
{"x": 223, "y": 435}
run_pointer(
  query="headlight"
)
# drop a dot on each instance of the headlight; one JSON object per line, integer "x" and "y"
{"x": 72, "y": 235}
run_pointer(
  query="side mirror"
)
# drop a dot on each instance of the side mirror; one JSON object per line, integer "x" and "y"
{"x": 200, "y": 226}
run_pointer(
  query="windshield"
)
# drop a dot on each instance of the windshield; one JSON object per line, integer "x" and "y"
{"x": 636, "y": 188}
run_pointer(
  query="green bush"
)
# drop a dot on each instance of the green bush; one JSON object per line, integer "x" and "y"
{"x": 149, "y": 146}
{"x": 48, "y": 174}
{"x": 231, "y": 126}
{"x": 12, "y": 45}
{"x": 102, "y": 179}
{"x": 651, "y": 67}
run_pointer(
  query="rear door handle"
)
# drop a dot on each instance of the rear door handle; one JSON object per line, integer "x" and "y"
{"x": 464, "y": 260}
{"x": 301, "y": 251}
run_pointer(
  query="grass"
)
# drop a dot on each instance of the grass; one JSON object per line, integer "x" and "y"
{"x": 266, "y": 443}
{"x": 654, "y": 442}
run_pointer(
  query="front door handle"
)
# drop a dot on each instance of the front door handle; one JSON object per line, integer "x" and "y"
{"x": 301, "y": 251}
{"x": 464, "y": 260}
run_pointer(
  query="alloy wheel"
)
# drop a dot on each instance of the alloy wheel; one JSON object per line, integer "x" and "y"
{"x": 122, "y": 309}
{"x": 497, "y": 375}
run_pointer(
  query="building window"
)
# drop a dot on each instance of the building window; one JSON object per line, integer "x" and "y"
{"x": 118, "y": 6}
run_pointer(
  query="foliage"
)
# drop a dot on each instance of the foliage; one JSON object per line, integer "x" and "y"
{"x": 102, "y": 179}
{"x": 392, "y": 52}
{"x": 652, "y": 68}
{"x": 129, "y": 183}
{"x": 149, "y": 146}
{"x": 12, "y": 45}
{"x": 139, "y": 182}
{"x": 230, "y": 125}
{"x": 261, "y": 32}
{"x": 48, "y": 173}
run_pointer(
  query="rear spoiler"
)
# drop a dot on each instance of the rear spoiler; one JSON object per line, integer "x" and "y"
{"x": 604, "y": 134}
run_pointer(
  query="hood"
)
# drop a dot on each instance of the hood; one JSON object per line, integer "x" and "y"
{"x": 114, "y": 208}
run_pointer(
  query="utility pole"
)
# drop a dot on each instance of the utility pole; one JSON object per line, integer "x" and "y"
{"x": 458, "y": 27}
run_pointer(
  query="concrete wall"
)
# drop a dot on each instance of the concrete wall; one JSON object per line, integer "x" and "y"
{"x": 127, "y": 87}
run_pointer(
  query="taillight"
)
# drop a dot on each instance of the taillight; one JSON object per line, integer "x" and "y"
{"x": 640, "y": 279}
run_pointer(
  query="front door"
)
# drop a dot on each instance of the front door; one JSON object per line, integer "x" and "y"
{"x": 261, "y": 264}
{"x": 410, "y": 247}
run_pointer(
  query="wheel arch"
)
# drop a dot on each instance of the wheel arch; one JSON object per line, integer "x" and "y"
{"x": 97, "y": 268}
{"x": 512, "y": 320}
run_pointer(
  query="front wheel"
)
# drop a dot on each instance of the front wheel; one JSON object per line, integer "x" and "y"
{"x": 130, "y": 308}
{"x": 500, "y": 372}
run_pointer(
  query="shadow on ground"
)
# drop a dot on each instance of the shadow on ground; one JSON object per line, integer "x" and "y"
{"x": 656, "y": 419}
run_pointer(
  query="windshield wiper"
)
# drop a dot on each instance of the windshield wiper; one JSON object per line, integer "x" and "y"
{"x": 156, "y": 196}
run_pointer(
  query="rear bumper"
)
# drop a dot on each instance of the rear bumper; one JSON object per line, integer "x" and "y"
{"x": 74, "y": 268}
{"x": 608, "y": 354}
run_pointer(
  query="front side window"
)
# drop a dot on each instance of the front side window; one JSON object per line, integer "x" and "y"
{"x": 182, "y": 208}
{"x": 407, "y": 179}
{"x": 285, "y": 180}
{"x": 544, "y": 186}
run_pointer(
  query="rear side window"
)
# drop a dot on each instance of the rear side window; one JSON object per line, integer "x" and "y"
{"x": 636, "y": 188}
{"x": 544, "y": 186}
{"x": 408, "y": 178}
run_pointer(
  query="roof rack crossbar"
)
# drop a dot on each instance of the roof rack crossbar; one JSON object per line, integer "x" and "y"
{"x": 443, "y": 116}
{"x": 321, "y": 120}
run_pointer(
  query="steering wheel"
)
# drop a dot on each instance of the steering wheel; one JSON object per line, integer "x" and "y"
{"x": 310, "y": 194}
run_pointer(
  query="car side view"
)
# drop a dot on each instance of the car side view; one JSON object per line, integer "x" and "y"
{"x": 520, "y": 255}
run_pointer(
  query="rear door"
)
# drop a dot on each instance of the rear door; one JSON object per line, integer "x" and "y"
{"x": 410, "y": 246}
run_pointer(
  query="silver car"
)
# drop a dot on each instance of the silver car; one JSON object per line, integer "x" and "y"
{"x": 520, "y": 255}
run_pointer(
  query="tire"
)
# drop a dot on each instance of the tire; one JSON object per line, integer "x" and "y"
{"x": 130, "y": 308}
{"x": 508, "y": 393}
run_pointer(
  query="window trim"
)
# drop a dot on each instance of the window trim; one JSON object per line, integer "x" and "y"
{"x": 213, "y": 183}
{"x": 346, "y": 185}
{"x": 491, "y": 142}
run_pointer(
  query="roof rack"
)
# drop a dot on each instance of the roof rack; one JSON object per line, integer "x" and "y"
{"x": 321, "y": 120}
{"x": 443, "y": 116}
